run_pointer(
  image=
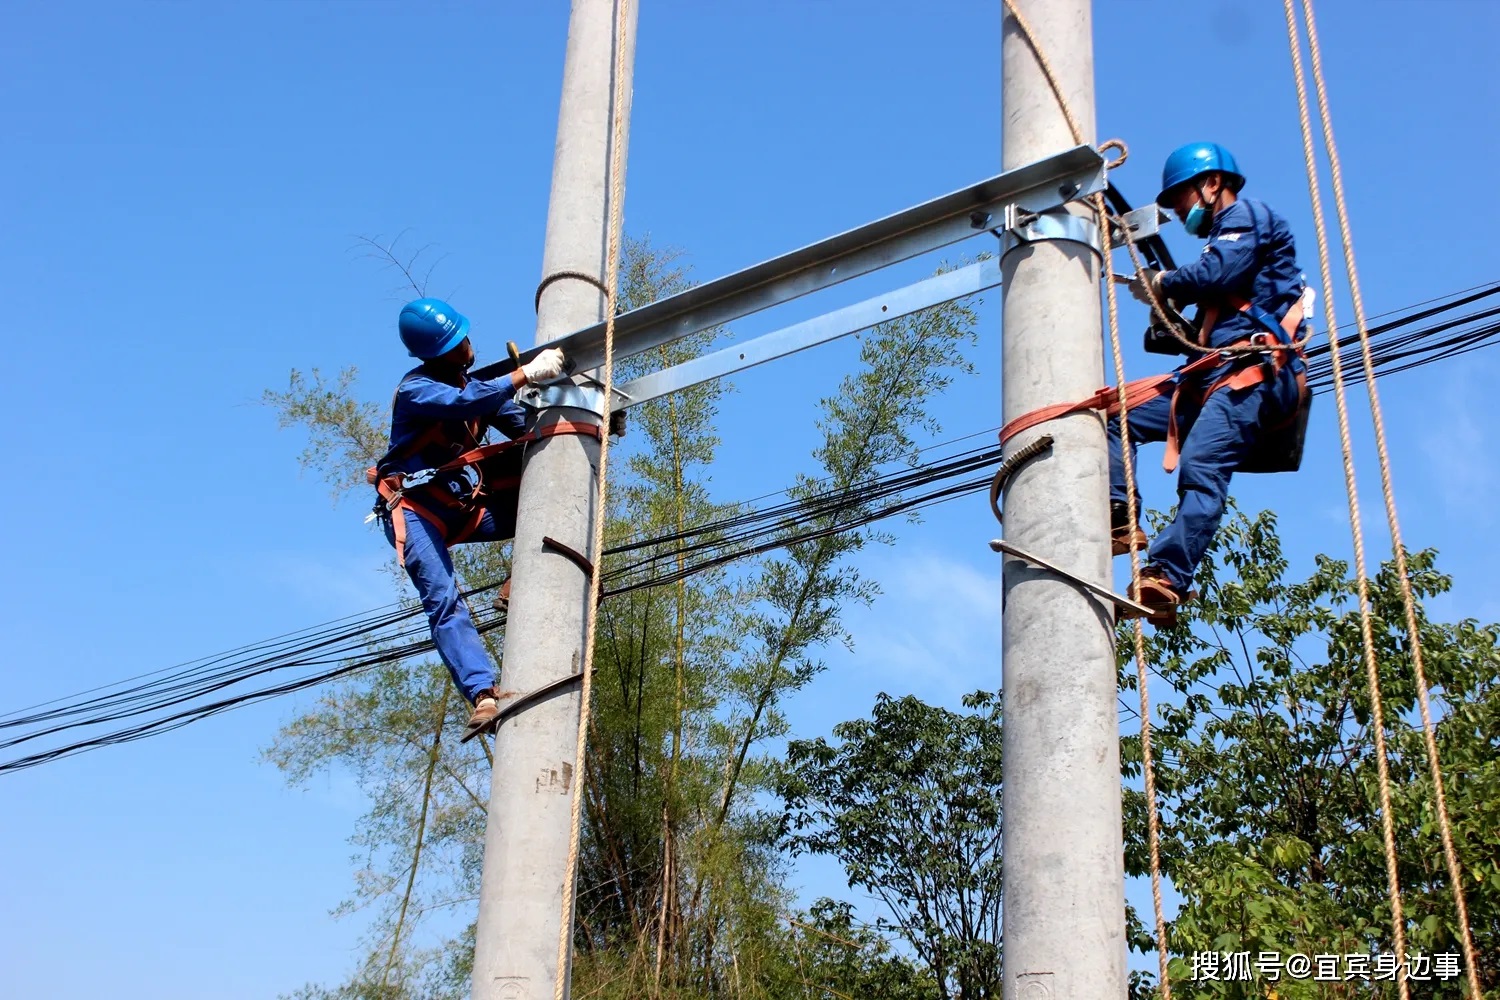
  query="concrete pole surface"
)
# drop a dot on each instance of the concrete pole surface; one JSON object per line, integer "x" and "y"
{"x": 1064, "y": 911}
{"x": 526, "y": 839}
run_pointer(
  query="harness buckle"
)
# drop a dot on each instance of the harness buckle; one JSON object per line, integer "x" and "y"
{"x": 1267, "y": 355}
{"x": 418, "y": 478}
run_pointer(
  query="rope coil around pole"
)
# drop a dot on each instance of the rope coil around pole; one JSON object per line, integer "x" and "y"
{"x": 1408, "y": 599}
{"x": 616, "y": 184}
{"x": 1153, "y": 824}
{"x": 579, "y": 275}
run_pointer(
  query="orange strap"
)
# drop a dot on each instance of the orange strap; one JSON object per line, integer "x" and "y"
{"x": 1239, "y": 378}
{"x": 1146, "y": 389}
{"x": 390, "y": 488}
{"x": 1141, "y": 390}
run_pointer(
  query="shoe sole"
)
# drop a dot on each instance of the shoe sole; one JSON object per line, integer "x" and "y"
{"x": 1163, "y": 615}
{"x": 473, "y": 729}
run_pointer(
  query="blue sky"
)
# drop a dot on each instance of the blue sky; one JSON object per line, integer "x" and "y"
{"x": 184, "y": 186}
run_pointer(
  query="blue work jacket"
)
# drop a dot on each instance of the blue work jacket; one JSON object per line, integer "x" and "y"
{"x": 423, "y": 401}
{"x": 1250, "y": 254}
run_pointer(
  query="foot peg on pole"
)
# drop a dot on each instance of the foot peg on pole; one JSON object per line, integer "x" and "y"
{"x": 1119, "y": 601}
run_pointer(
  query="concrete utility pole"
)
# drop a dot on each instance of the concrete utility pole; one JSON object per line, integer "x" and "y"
{"x": 526, "y": 840}
{"x": 1064, "y": 917}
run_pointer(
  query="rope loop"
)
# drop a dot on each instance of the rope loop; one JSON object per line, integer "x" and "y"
{"x": 1170, "y": 317}
{"x": 1115, "y": 144}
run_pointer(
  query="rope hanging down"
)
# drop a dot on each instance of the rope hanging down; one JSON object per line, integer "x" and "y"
{"x": 1366, "y": 630}
{"x": 1153, "y": 818}
{"x": 616, "y": 184}
{"x": 1408, "y": 599}
{"x": 1138, "y": 632}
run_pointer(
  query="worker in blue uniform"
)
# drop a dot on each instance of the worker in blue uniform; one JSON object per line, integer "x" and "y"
{"x": 1248, "y": 290}
{"x": 438, "y": 414}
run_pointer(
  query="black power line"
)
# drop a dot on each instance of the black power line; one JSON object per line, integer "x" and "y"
{"x": 176, "y": 696}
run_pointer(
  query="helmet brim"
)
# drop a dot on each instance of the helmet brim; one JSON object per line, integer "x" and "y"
{"x": 1232, "y": 180}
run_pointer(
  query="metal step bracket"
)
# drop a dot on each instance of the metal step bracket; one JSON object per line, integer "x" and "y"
{"x": 1119, "y": 601}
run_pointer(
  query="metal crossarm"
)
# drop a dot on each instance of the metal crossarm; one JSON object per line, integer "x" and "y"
{"x": 1037, "y": 187}
{"x": 819, "y": 330}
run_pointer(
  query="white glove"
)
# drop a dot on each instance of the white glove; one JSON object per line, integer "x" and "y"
{"x": 545, "y": 367}
{"x": 1147, "y": 277}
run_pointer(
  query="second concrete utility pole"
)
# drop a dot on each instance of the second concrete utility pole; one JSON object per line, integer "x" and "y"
{"x": 526, "y": 840}
{"x": 1064, "y": 912}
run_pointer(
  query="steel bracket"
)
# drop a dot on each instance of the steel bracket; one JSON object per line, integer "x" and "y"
{"x": 924, "y": 294}
{"x": 577, "y": 397}
{"x": 1036, "y": 187}
{"x": 1141, "y": 223}
{"x": 1022, "y": 228}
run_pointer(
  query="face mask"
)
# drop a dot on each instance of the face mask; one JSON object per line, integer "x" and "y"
{"x": 1199, "y": 219}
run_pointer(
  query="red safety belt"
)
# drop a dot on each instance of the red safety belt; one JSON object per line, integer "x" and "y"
{"x": 391, "y": 489}
{"x": 1144, "y": 390}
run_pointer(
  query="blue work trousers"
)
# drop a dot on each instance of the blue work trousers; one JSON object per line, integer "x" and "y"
{"x": 431, "y": 570}
{"x": 1215, "y": 438}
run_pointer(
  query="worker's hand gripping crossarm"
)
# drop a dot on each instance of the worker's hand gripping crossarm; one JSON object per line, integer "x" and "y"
{"x": 547, "y": 366}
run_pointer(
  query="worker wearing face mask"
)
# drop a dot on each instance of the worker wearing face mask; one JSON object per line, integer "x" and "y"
{"x": 1241, "y": 414}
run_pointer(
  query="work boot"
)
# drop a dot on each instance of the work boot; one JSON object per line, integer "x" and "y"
{"x": 1158, "y": 595}
{"x": 486, "y": 710}
{"x": 1122, "y": 533}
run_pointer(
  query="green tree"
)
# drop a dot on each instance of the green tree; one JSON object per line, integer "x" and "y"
{"x": 909, "y": 802}
{"x": 1266, "y": 776}
{"x": 1266, "y": 767}
{"x": 836, "y": 957}
{"x": 724, "y": 897}
{"x": 681, "y": 882}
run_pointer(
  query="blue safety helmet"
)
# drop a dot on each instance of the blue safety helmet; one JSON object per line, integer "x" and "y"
{"x": 431, "y": 328}
{"x": 1196, "y": 159}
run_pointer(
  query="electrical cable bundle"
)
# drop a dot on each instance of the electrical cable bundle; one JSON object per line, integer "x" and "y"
{"x": 168, "y": 699}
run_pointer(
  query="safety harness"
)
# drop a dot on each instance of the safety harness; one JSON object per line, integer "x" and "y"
{"x": 1280, "y": 449}
{"x": 423, "y": 492}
